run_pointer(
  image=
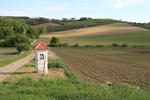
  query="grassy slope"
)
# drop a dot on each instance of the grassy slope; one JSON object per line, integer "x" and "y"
{"x": 46, "y": 25}
{"x": 107, "y": 34}
{"x": 9, "y": 55}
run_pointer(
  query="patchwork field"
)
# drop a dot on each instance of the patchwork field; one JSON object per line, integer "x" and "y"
{"x": 100, "y": 65}
{"x": 103, "y": 35}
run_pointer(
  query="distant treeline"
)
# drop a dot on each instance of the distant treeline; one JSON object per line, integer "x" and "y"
{"x": 81, "y": 23}
{"x": 14, "y": 31}
{"x": 31, "y": 21}
{"x": 143, "y": 25}
{"x": 72, "y": 23}
{"x": 65, "y": 24}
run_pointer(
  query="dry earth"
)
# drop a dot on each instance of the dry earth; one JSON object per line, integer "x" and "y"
{"x": 98, "y": 30}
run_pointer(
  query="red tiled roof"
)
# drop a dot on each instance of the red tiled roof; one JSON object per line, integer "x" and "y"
{"x": 41, "y": 46}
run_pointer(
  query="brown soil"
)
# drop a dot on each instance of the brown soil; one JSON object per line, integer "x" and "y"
{"x": 98, "y": 30}
{"x": 100, "y": 70}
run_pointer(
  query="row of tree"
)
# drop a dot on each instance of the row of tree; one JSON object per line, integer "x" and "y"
{"x": 143, "y": 25}
{"x": 81, "y": 23}
{"x": 64, "y": 23}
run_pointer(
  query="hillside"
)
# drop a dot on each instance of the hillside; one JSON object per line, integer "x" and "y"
{"x": 45, "y": 25}
{"x": 105, "y": 34}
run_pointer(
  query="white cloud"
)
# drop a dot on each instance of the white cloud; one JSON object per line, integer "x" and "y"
{"x": 124, "y": 3}
{"x": 13, "y": 13}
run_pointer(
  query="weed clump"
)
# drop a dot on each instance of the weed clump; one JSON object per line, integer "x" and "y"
{"x": 124, "y": 45}
{"x": 115, "y": 45}
{"x": 56, "y": 64}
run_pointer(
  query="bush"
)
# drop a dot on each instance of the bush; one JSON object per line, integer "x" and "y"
{"x": 13, "y": 40}
{"x": 99, "y": 46}
{"x": 22, "y": 47}
{"x": 76, "y": 45}
{"x": 115, "y": 45}
{"x": 56, "y": 64}
{"x": 54, "y": 42}
{"x": 124, "y": 45}
{"x": 87, "y": 46}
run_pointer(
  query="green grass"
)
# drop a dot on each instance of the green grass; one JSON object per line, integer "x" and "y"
{"x": 72, "y": 88}
{"x": 47, "y": 89}
{"x": 133, "y": 38}
{"x": 11, "y": 56}
{"x": 129, "y": 37}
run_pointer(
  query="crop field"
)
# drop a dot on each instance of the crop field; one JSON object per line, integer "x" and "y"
{"x": 103, "y": 35}
{"x": 100, "y": 65}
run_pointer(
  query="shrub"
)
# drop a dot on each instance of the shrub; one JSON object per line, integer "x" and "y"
{"x": 22, "y": 47}
{"x": 76, "y": 45}
{"x": 54, "y": 42}
{"x": 87, "y": 46}
{"x": 115, "y": 45}
{"x": 99, "y": 46}
{"x": 56, "y": 64}
{"x": 124, "y": 45}
{"x": 13, "y": 40}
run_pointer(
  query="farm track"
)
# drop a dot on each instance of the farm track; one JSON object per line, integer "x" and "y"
{"x": 100, "y": 70}
{"x": 7, "y": 70}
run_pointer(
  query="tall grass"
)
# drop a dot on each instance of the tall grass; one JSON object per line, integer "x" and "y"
{"x": 47, "y": 89}
{"x": 72, "y": 88}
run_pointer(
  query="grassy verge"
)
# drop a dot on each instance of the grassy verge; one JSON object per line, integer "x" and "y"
{"x": 72, "y": 88}
{"x": 11, "y": 60}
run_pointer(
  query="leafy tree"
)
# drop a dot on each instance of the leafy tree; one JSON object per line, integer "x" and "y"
{"x": 76, "y": 45}
{"x": 5, "y": 31}
{"x": 22, "y": 47}
{"x": 54, "y": 42}
{"x": 42, "y": 30}
{"x": 13, "y": 40}
{"x": 115, "y": 45}
{"x": 83, "y": 18}
{"x": 33, "y": 32}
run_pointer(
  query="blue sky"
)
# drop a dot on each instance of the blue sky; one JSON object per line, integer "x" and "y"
{"x": 128, "y": 10}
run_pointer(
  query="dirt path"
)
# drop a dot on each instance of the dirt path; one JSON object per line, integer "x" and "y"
{"x": 7, "y": 70}
{"x": 11, "y": 68}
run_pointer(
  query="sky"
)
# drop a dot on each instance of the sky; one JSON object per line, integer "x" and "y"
{"x": 126, "y": 10}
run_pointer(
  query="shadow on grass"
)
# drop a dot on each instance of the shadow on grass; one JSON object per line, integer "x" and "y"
{"x": 24, "y": 72}
{"x": 11, "y": 53}
{"x": 19, "y": 73}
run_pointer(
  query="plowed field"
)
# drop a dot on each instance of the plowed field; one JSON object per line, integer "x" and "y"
{"x": 100, "y": 65}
